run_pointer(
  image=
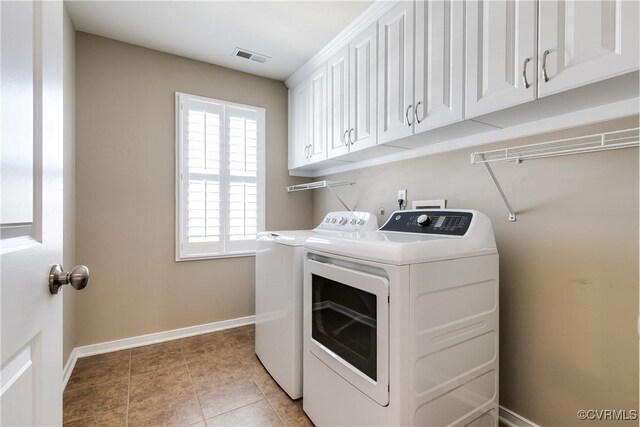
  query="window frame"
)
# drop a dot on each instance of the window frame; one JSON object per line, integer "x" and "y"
{"x": 181, "y": 253}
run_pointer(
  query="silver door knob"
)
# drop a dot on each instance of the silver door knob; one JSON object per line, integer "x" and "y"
{"x": 78, "y": 278}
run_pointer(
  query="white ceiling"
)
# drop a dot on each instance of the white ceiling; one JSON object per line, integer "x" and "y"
{"x": 289, "y": 32}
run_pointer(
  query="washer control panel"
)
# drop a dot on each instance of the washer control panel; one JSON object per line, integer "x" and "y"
{"x": 450, "y": 223}
{"x": 348, "y": 222}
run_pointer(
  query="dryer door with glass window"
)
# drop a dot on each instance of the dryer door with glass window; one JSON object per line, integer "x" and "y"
{"x": 350, "y": 325}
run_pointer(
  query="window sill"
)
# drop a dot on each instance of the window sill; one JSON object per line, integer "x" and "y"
{"x": 205, "y": 257}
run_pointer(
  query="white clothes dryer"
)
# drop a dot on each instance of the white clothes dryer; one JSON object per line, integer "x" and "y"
{"x": 279, "y": 267}
{"x": 401, "y": 324}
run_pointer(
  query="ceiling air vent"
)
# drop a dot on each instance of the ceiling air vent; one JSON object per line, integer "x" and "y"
{"x": 247, "y": 54}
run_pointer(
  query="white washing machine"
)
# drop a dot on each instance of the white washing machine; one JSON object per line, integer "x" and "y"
{"x": 279, "y": 268}
{"x": 401, "y": 324}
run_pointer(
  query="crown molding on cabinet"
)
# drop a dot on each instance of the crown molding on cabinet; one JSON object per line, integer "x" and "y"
{"x": 366, "y": 18}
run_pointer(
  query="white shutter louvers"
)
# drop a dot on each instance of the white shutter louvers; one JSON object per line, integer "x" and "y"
{"x": 220, "y": 148}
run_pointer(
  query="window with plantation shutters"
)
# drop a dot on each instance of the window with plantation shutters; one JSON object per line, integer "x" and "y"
{"x": 220, "y": 177}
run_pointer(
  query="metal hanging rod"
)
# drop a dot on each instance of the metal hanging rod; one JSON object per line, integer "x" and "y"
{"x": 317, "y": 184}
{"x": 322, "y": 184}
{"x": 582, "y": 144}
{"x": 605, "y": 141}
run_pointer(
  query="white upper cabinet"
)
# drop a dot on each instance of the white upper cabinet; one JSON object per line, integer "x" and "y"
{"x": 318, "y": 115}
{"x": 501, "y": 54}
{"x": 352, "y": 75}
{"x": 363, "y": 81}
{"x": 299, "y": 125}
{"x": 439, "y": 64}
{"x": 308, "y": 120}
{"x": 338, "y": 80}
{"x": 395, "y": 72}
{"x": 428, "y": 66}
{"x": 586, "y": 41}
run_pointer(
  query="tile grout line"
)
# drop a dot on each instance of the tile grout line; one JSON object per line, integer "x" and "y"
{"x": 239, "y": 407}
{"x": 71, "y": 387}
{"x": 263, "y": 393}
{"x": 268, "y": 401}
{"x": 126, "y": 421}
{"x": 276, "y": 411}
{"x": 99, "y": 412}
{"x": 233, "y": 347}
{"x": 193, "y": 384}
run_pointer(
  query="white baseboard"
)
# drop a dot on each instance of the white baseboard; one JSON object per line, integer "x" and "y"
{"x": 68, "y": 367}
{"x": 141, "y": 340}
{"x": 511, "y": 419}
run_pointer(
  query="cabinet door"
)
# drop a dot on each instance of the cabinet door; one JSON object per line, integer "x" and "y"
{"x": 338, "y": 112}
{"x": 586, "y": 41}
{"x": 395, "y": 73}
{"x": 500, "y": 37}
{"x": 439, "y": 58}
{"x": 299, "y": 124}
{"x": 363, "y": 81}
{"x": 318, "y": 114}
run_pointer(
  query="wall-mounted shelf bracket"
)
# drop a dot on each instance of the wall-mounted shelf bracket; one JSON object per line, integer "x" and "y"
{"x": 626, "y": 138}
{"x": 322, "y": 184}
{"x": 512, "y": 214}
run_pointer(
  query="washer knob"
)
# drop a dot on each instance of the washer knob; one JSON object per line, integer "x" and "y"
{"x": 342, "y": 221}
{"x": 424, "y": 220}
{"x": 353, "y": 221}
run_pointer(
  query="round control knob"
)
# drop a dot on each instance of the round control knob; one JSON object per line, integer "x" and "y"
{"x": 352, "y": 221}
{"x": 333, "y": 220}
{"x": 424, "y": 220}
{"x": 342, "y": 221}
{"x": 360, "y": 221}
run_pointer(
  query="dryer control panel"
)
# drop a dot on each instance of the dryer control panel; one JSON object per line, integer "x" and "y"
{"x": 452, "y": 223}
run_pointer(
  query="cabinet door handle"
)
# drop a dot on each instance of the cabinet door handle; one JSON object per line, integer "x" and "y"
{"x": 406, "y": 114}
{"x": 416, "y": 112}
{"x": 306, "y": 151}
{"x": 524, "y": 73}
{"x": 351, "y": 140}
{"x": 344, "y": 138}
{"x": 544, "y": 65}
{"x": 310, "y": 152}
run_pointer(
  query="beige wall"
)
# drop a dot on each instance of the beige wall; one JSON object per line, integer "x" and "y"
{"x": 125, "y": 191}
{"x": 68, "y": 256}
{"x": 568, "y": 267}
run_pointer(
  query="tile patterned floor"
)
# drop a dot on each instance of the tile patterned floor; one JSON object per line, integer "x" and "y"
{"x": 207, "y": 380}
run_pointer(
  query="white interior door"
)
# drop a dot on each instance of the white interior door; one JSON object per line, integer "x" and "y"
{"x": 395, "y": 73}
{"x": 338, "y": 110}
{"x": 501, "y": 45}
{"x": 439, "y": 76}
{"x": 363, "y": 89}
{"x": 31, "y": 216}
{"x": 587, "y": 41}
